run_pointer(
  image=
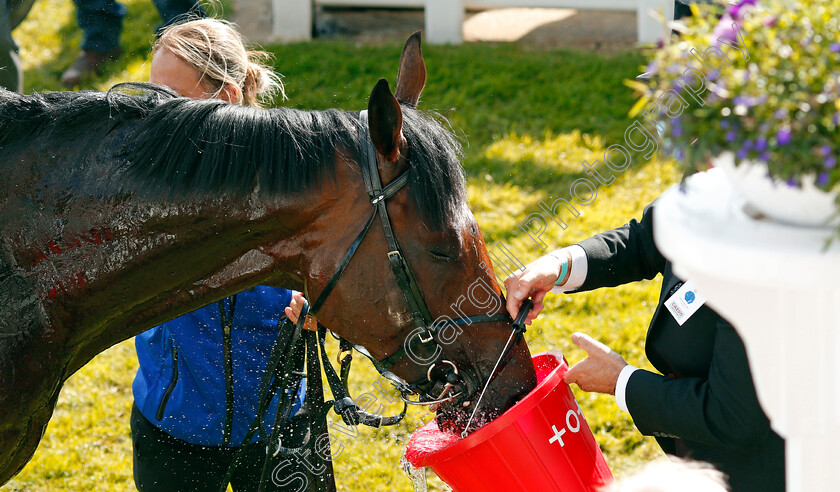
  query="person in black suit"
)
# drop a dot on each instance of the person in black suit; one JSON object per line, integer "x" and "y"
{"x": 703, "y": 406}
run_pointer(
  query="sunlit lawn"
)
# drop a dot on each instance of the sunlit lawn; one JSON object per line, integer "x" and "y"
{"x": 528, "y": 117}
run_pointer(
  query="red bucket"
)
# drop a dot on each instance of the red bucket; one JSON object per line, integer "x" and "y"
{"x": 541, "y": 443}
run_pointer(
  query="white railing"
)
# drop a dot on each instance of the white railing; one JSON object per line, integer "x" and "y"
{"x": 444, "y": 19}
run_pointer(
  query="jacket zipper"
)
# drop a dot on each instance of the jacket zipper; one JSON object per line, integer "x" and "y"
{"x": 227, "y": 322}
{"x": 172, "y": 383}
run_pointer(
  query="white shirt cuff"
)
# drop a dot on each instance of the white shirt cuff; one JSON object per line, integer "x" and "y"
{"x": 579, "y": 268}
{"x": 621, "y": 386}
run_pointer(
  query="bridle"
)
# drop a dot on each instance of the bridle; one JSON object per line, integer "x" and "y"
{"x": 444, "y": 381}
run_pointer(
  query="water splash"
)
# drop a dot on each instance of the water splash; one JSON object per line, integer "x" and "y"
{"x": 416, "y": 475}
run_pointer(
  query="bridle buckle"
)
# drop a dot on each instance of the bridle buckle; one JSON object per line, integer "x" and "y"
{"x": 426, "y": 340}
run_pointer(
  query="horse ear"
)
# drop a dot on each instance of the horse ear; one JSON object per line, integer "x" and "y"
{"x": 412, "y": 75}
{"x": 385, "y": 121}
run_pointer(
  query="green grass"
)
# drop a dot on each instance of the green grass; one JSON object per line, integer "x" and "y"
{"x": 528, "y": 118}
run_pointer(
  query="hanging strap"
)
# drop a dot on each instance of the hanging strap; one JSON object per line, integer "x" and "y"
{"x": 278, "y": 371}
{"x": 318, "y": 408}
{"x": 314, "y": 416}
{"x": 345, "y": 358}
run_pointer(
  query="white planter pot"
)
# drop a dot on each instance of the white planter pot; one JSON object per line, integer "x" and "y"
{"x": 777, "y": 284}
{"x": 805, "y": 206}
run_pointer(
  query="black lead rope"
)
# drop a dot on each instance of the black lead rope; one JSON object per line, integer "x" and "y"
{"x": 284, "y": 370}
{"x": 279, "y": 372}
{"x": 313, "y": 418}
{"x": 345, "y": 358}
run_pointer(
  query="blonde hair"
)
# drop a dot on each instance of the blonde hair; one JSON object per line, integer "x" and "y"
{"x": 217, "y": 51}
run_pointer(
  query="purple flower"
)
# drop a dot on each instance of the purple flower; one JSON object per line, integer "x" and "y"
{"x": 780, "y": 114}
{"x": 825, "y": 150}
{"x": 765, "y": 157}
{"x": 791, "y": 182}
{"x": 735, "y": 10}
{"x": 724, "y": 124}
{"x": 834, "y": 47}
{"x": 748, "y": 101}
{"x": 760, "y": 144}
{"x": 676, "y": 127}
{"x": 822, "y": 179}
{"x": 836, "y": 119}
{"x": 830, "y": 162}
{"x": 770, "y": 21}
{"x": 712, "y": 75}
{"x": 724, "y": 32}
{"x": 783, "y": 137}
{"x": 742, "y": 154}
{"x": 731, "y": 135}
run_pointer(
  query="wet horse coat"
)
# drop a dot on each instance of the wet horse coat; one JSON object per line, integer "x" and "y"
{"x": 119, "y": 212}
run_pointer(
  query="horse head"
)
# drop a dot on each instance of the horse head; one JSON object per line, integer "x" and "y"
{"x": 420, "y": 295}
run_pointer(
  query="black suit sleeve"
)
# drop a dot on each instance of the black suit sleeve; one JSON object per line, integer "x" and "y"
{"x": 722, "y": 410}
{"x": 622, "y": 255}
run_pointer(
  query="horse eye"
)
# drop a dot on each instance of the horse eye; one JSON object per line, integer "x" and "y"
{"x": 442, "y": 256}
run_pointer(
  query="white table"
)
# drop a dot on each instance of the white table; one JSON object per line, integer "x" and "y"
{"x": 779, "y": 285}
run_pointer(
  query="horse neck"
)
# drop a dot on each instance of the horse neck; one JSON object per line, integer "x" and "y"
{"x": 197, "y": 251}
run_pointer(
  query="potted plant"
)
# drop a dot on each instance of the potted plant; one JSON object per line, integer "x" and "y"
{"x": 754, "y": 88}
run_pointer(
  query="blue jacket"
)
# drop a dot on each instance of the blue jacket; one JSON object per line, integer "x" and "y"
{"x": 181, "y": 385}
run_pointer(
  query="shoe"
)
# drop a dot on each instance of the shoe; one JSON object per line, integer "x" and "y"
{"x": 86, "y": 64}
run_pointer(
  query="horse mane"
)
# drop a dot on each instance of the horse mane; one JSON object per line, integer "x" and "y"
{"x": 185, "y": 147}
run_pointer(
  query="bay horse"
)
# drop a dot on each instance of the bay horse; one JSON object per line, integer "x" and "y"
{"x": 120, "y": 211}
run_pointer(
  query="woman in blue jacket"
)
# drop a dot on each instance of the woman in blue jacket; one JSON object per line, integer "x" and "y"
{"x": 197, "y": 389}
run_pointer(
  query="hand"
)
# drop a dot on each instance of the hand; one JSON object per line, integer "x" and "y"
{"x": 535, "y": 281}
{"x": 599, "y": 371}
{"x": 293, "y": 312}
